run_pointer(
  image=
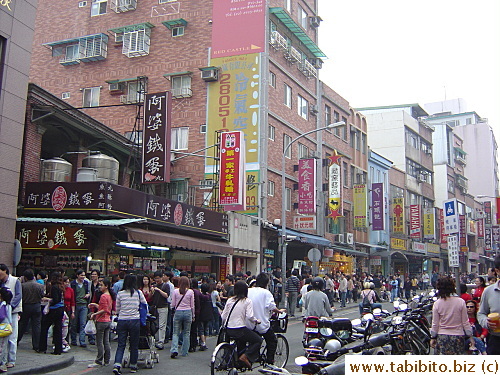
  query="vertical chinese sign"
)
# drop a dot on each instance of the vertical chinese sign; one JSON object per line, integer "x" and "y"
{"x": 463, "y": 230}
{"x": 232, "y": 176}
{"x": 450, "y": 216}
{"x": 398, "y": 214}
{"x": 429, "y": 224}
{"x": 487, "y": 212}
{"x": 415, "y": 225}
{"x": 497, "y": 200}
{"x": 480, "y": 228}
{"x": 452, "y": 241}
{"x": 234, "y": 105}
{"x": 360, "y": 206}
{"x": 334, "y": 179}
{"x": 378, "y": 206}
{"x": 442, "y": 232}
{"x": 156, "y": 139}
{"x": 307, "y": 186}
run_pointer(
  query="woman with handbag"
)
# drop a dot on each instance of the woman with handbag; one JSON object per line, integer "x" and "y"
{"x": 5, "y": 325}
{"x": 55, "y": 298}
{"x": 128, "y": 302}
{"x": 183, "y": 303}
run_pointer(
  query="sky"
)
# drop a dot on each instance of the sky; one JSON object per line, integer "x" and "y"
{"x": 390, "y": 52}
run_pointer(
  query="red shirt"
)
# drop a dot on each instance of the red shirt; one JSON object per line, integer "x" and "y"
{"x": 69, "y": 299}
{"x": 466, "y": 297}
{"x": 106, "y": 304}
{"x": 478, "y": 293}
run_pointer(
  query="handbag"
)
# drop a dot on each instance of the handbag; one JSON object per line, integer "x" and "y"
{"x": 90, "y": 328}
{"x": 5, "y": 329}
{"x": 143, "y": 310}
{"x": 223, "y": 337}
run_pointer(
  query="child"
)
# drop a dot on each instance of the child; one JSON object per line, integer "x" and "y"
{"x": 5, "y": 317}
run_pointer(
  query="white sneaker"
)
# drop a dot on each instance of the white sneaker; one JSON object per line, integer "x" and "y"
{"x": 66, "y": 348}
{"x": 94, "y": 365}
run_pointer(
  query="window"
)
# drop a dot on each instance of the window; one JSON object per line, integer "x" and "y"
{"x": 353, "y": 172}
{"x": 288, "y": 5}
{"x": 181, "y": 87}
{"x": 412, "y": 139}
{"x": 468, "y": 121}
{"x": 302, "y": 17}
{"x": 203, "y": 128}
{"x": 288, "y": 96}
{"x": 272, "y": 132}
{"x": 451, "y": 186}
{"x": 178, "y": 31}
{"x": 120, "y": 6}
{"x": 65, "y": 95}
{"x": 272, "y": 79}
{"x": 288, "y": 199}
{"x": 134, "y": 136}
{"x": 344, "y": 129}
{"x": 270, "y": 188}
{"x": 286, "y": 141}
{"x": 136, "y": 43}
{"x": 180, "y": 138}
{"x": 72, "y": 55}
{"x": 345, "y": 173}
{"x": 328, "y": 115}
{"x": 135, "y": 94}
{"x": 302, "y": 107}
{"x": 303, "y": 151}
{"x": 363, "y": 143}
{"x": 98, "y": 7}
{"x": 91, "y": 96}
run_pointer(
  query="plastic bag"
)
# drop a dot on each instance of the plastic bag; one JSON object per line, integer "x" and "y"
{"x": 90, "y": 328}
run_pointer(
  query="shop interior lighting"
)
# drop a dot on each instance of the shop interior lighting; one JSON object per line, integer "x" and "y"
{"x": 160, "y": 248}
{"x": 131, "y": 245}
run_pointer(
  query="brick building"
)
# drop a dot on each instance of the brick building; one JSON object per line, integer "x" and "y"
{"x": 106, "y": 54}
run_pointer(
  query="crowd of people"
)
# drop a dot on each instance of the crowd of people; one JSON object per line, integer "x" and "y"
{"x": 188, "y": 310}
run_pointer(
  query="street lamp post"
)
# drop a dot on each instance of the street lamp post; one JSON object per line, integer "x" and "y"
{"x": 283, "y": 242}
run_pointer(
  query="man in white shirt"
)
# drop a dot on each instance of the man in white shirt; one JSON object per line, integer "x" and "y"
{"x": 263, "y": 306}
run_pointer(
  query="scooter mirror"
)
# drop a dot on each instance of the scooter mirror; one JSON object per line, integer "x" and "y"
{"x": 356, "y": 322}
{"x": 301, "y": 361}
{"x": 367, "y": 317}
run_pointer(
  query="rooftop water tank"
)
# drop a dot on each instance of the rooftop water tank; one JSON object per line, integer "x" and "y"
{"x": 86, "y": 174}
{"x": 56, "y": 170}
{"x": 107, "y": 167}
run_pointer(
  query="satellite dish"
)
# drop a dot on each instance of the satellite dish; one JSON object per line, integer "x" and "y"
{"x": 18, "y": 252}
{"x": 314, "y": 255}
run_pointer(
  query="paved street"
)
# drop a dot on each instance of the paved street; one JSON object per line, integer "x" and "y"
{"x": 198, "y": 362}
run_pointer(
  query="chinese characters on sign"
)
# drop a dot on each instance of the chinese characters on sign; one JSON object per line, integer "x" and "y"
{"x": 398, "y": 243}
{"x": 360, "y": 206}
{"x": 487, "y": 238}
{"x": 398, "y": 215}
{"x": 487, "y": 212}
{"x": 52, "y": 237}
{"x": 232, "y": 165}
{"x": 453, "y": 250}
{"x": 304, "y": 222}
{"x": 334, "y": 187}
{"x": 307, "y": 186}
{"x": 480, "y": 228}
{"x": 415, "y": 230}
{"x": 441, "y": 227}
{"x": 450, "y": 216}
{"x": 6, "y": 3}
{"x": 463, "y": 231}
{"x": 378, "y": 206}
{"x": 156, "y": 139}
{"x": 428, "y": 215}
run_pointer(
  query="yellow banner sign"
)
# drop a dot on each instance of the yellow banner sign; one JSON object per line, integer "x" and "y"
{"x": 398, "y": 215}
{"x": 360, "y": 206}
{"x": 398, "y": 243}
{"x": 428, "y": 221}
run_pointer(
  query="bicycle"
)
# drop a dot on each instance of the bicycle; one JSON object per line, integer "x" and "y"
{"x": 225, "y": 356}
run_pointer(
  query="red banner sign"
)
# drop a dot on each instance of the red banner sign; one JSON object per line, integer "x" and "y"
{"x": 232, "y": 171}
{"x": 444, "y": 236}
{"x": 463, "y": 230}
{"x": 415, "y": 221}
{"x": 480, "y": 228}
{"x": 307, "y": 186}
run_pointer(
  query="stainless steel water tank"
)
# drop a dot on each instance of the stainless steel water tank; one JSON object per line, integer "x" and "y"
{"x": 86, "y": 174}
{"x": 107, "y": 167}
{"x": 56, "y": 170}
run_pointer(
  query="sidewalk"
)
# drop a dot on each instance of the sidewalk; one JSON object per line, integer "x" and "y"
{"x": 30, "y": 362}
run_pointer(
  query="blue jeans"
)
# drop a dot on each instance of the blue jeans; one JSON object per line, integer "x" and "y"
{"x": 78, "y": 324}
{"x": 394, "y": 294}
{"x": 216, "y": 321}
{"x": 182, "y": 324}
{"x": 343, "y": 297}
{"x": 131, "y": 329}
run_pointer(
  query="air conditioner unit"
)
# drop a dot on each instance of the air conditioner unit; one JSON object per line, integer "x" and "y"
{"x": 117, "y": 86}
{"x": 315, "y": 21}
{"x": 349, "y": 238}
{"x": 82, "y": 4}
{"x": 313, "y": 109}
{"x": 119, "y": 38}
{"x": 209, "y": 75}
{"x": 124, "y": 99}
{"x": 421, "y": 177}
{"x": 318, "y": 63}
{"x": 179, "y": 197}
{"x": 341, "y": 238}
{"x": 65, "y": 95}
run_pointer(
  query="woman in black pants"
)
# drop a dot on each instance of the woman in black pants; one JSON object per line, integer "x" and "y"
{"x": 56, "y": 302}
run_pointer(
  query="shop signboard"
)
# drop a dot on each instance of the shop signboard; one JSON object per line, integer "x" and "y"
{"x": 462, "y": 230}
{"x": 334, "y": 187}
{"x": 419, "y": 247}
{"x": 223, "y": 268}
{"x": 360, "y": 206}
{"x": 442, "y": 232}
{"x": 487, "y": 213}
{"x": 398, "y": 244}
{"x": 398, "y": 214}
{"x": 453, "y": 250}
{"x": 304, "y": 222}
{"x": 451, "y": 224}
{"x": 232, "y": 177}
{"x": 428, "y": 223}
{"x": 307, "y": 186}
{"x": 432, "y": 248}
{"x": 495, "y": 237}
{"x": 268, "y": 253}
{"x": 377, "y": 207}
{"x": 52, "y": 237}
{"x": 487, "y": 238}
{"x": 480, "y": 228}
{"x": 106, "y": 199}
{"x": 415, "y": 225}
{"x": 156, "y": 138}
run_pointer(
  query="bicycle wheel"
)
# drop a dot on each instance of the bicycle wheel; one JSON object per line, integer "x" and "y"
{"x": 282, "y": 351}
{"x": 222, "y": 359}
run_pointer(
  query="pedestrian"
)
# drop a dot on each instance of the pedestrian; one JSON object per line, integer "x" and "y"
{"x": 450, "y": 323}
{"x": 480, "y": 285}
{"x": 463, "y": 293}
{"x": 5, "y": 317}
{"x": 128, "y": 326}
{"x": 54, "y": 318}
{"x": 490, "y": 304}
{"x": 159, "y": 299}
{"x": 263, "y": 306}
{"x": 183, "y": 302}
{"x": 329, "y": 288}
{"x": 343, "y": 290}
{"x": 292, "y": 287}
{"x": 102, "y": 319}
{"x": 14, "y": 285}
{"x": 216, "y": 303}
{"x": 315, "y": 301}
{"x": 479, "y": 333}
{"x": 206, "y": 315}
{"x": 425, "y": 280}
{"x": 394, "y": 288}
{"x": 193, "y": 341}
{"x": 41, "y": 278}
{"x": 32, "y": 313}
{"x": 69, "y": 310}
{"x": 167, "y": 279}
{"x": 119, "y": 284}
{"x": 408, "y": 286}
{"x": 95, "y": 295}
{"x": 350, "y": 287}
{"x": 81, "y": 288}
{"x": 237, "y": 312}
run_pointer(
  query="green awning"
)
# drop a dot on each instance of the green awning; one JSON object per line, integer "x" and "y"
{"x": 122, "y": 80}
{"x": 460, "y": 151}
{"x": 138, "y": 26}
{"x": 73, "y": 40}
{"x": 177, "y": 74}
{"x": 284, "y": 17}
{"x": 175, "y": 23}
{"x": 88, "y": 222}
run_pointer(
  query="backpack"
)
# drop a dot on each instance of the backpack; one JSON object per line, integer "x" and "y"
{"x": 366, "y": 301}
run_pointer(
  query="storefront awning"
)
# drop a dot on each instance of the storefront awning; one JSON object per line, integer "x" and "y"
{"x": 350, "y": 251}
{"x": 178, "y": 241}
{"x": 307, "y": 238}
{"x": 87, "y": 222}
{"x": 373, "y": 246}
